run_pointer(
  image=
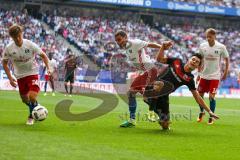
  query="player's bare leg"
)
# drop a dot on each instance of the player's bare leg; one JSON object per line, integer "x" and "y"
{"x": 28, "y": 102}
{"x": 52, "y": 85}
{"x": 202, "y": 113}
{"x": 45, "y": 88}
{"x": 66, "y": 88}
{"x": 33, "y": 102}
{"x": 212, "y": 102}
{"x": 71, "y": 88}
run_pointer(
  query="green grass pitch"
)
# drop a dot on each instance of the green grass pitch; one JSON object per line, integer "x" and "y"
{"x": 102, "y": 139}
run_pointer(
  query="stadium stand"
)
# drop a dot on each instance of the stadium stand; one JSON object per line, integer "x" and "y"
{"x": 91, "y": 34}
{"x": 222, "y": 3}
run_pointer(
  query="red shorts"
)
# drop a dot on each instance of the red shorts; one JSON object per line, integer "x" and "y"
{"x": 47, "y": 77}
{"x": 29, "y": 83}
{"x": 208, "y": 86}
{"x": 141, "y": 81}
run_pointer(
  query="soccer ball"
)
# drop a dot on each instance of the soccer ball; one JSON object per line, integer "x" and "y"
{"x": 39, "y": 113}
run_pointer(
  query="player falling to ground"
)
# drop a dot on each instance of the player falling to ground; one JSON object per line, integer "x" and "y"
{"x": 136, "y": 54}
{"x": 70, "y": 66}
{"x": 49, "y": 78}
{"x": 210, "y": 72}
{"x": 176, "y": 74}
{"x": 21, "y": 53}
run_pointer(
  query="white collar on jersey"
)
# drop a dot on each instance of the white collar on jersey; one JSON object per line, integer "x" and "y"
{"x": 128, "y": 45}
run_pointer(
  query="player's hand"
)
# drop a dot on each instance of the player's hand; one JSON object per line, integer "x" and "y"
{"x": 213, "y": 115}
{"x": 198, "y": 79}
{"x": 49, "y": 73}
{"x": 13, "y": 82}
{"x": 167, "y": 44}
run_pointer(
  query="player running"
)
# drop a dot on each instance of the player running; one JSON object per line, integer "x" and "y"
{"x": 136, "y": 54}
{"x": 70, "y": 66}
{"x": 210, "y": 72}
{"x": 176, "y": 74}
{"x": 21, "y": 53}
{"x": 49, "y": 78}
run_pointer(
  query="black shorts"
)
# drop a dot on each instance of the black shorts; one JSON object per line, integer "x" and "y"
{"x": 160, "y": 106}
{"x": 69, "y": 78}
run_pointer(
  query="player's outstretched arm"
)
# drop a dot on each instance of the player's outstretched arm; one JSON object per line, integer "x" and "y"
{"x": 45, "y": 61}
{"x": 153, "y": 45}
{"x": 201, "y": 102}
{"x": 160, "y": 56}
{"x": 12, "y": 80}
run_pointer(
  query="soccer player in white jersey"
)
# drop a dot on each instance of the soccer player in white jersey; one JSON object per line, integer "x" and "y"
{"x": 210, "y": 72}
{"x": 136, "y": 54}
{"x": 50, "y": 78}
{"x": 22, "y": 53}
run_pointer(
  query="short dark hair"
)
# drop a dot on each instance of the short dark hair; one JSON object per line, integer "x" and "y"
{"x": 121, "y": 33}
{"x": 198, "y": 55}
{"x": 14, "y": 30}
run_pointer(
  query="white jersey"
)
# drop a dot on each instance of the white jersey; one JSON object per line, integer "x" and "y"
{"x": 52, "y": 65}
{"x": 136, "y": 54}
{"x": 23, "y": 58}
{"x": 212, "y": 60}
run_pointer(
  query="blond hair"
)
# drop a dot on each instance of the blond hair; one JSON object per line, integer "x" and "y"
{"x": 211, "y": 31}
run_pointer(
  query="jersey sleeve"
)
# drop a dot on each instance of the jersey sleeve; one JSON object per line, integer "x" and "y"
{"x": 191, "y": 85}
{"x": 6, "y": 55}
{"x": 140, "y": 44}
{"x": 36, "y": 49}
{"x": 225, "y": 52}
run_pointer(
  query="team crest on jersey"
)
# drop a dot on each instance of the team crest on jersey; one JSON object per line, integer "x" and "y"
{"x": 27, "y": 51}
{"x": 216, "y": 52}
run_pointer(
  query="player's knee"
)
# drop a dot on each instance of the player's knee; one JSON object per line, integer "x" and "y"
{"x": 25, "y": 100}
{"x": 131, "y": 94}
{"x": 211, "y": 96}
{"x": 32, "y": 96}
{"x": 201, "y": 94}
